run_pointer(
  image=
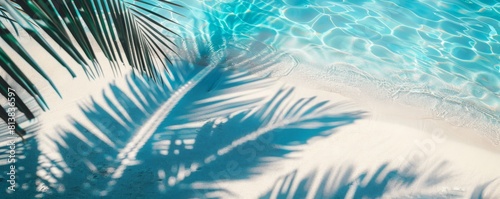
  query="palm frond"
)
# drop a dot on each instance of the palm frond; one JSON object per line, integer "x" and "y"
{"x": 127, "y": 32}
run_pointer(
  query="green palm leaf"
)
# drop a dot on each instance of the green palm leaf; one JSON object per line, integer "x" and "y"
{"x": 127, "y": 32}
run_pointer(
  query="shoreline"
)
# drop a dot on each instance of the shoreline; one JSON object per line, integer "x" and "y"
{"x": 480, "y": 127}
{"x": 392, "y": 134}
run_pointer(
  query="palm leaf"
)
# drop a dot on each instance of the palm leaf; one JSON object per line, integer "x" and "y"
{"x": 127, "y": 32}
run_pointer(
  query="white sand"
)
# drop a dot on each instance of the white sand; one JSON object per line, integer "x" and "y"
{"x": 401, "y": 135}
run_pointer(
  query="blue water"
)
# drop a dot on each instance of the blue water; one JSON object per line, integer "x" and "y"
{"x": 447, "y": 49}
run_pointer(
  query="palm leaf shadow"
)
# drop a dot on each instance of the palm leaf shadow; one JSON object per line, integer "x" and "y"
{"x": 489, "y": 189}
{"x": 243, "y": 141}
{"x": 97, "y": 147}
{"x": 112, "y": 128}
{"x": 87, "y": 154}
{"x": 168, "y": 152}
{"x": 20, "y": 154}
{"x": 25, "y": 170}
{"x": 336, "y": 183}
{"x": 342, "y": 182}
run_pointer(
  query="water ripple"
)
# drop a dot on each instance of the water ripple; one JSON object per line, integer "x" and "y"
{"x": 451, "y": 46}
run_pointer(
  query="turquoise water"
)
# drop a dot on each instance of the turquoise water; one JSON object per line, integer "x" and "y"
{"x": 449, "y": 50}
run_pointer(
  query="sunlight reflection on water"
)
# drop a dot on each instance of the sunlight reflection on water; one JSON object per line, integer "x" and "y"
{"x": 448, "y": 50}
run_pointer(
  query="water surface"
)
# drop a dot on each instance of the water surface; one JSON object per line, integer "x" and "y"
{"x": 446, "y": 51}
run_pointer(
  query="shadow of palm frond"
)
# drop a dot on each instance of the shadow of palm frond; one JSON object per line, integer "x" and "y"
{"x": 238, "y": 146}
{"x": 97, "y": 153}
{"x": 16, "y": 153}
{"x": 25, "y": 171}
{"x": 87, "y": 153}
{"x": 490, "y": 189}
{"x": 343, "y": 182}
{"x": 94, "y": 143}
{"x": 337, "y": 183}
